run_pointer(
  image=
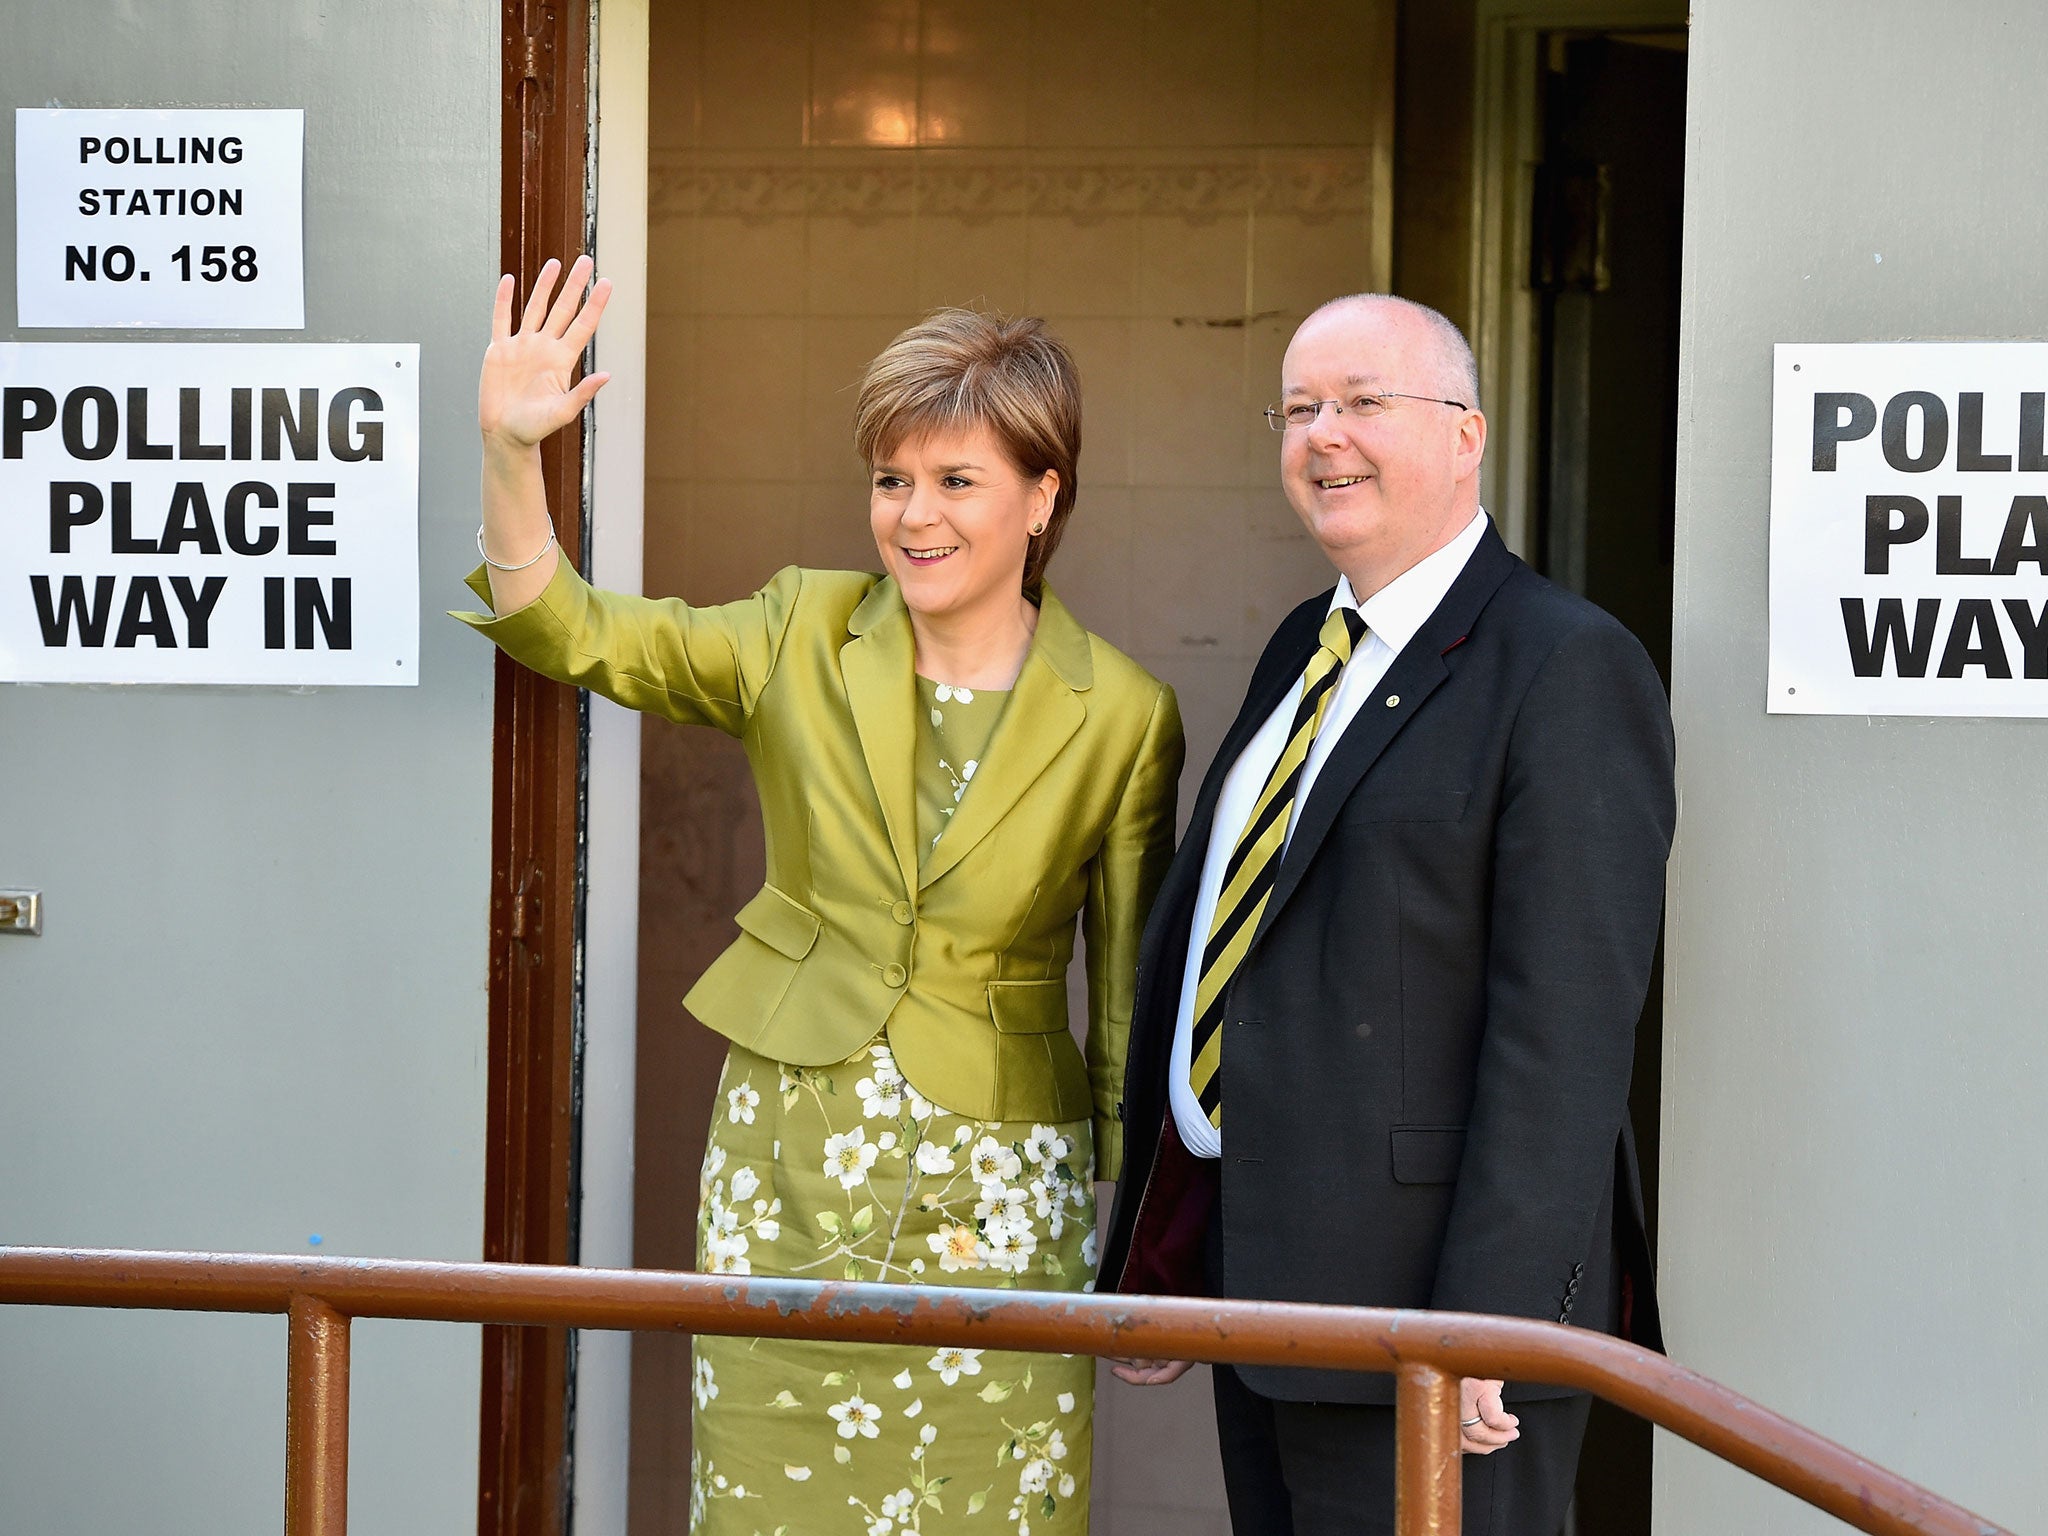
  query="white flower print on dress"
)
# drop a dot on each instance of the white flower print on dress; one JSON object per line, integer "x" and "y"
{"x": 1010, "y": 1246}
{"x": 714, "y": 1162}
{"x": 856, "y": 1416}
{"x": 1047, "y": 1204}
{"x": 1045, "y": 1146}
{"x": 993, "y": 1163}
{"x": 880, "y": 1096}
{"x": 928, "y": 1195}
{"x": 957, "y": 1245}
{"x": 703, "y": 1382}
{"x": 727, "y": 1255}
{"x": 952, "y": 1363}
{"x": 741, "y": 1103}
{"x": 848, "y": 1157}
{"x": 946, "y": 693}
{"x": 999, "y": 1204}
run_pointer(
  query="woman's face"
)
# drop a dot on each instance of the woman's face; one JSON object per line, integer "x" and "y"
{"x": 952, "y": 517}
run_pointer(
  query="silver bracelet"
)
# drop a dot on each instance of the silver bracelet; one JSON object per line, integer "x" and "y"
{"x": 494, "y": 565}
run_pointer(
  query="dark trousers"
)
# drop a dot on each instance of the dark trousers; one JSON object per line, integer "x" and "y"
{"x": 1327, "y": 1469}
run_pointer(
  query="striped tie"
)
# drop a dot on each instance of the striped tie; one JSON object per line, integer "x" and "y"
{"x": 1255, "y": 861}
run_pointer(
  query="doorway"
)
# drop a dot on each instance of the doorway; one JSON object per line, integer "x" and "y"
{"x": 1174, "y": 198}
{"x": 1174, "y": 195}
{"x": 1604, "y": 276}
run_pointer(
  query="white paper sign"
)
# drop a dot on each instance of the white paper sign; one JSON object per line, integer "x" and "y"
{"x": 173, "y": 219}
{"x": 186, "y": 513}
{"x": 1909, "y": 529}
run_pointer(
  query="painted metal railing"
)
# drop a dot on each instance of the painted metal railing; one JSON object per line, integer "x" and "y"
{"x": 1426, "y": 1351}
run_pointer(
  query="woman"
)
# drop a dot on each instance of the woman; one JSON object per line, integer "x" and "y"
{"x": 951, "y": 770}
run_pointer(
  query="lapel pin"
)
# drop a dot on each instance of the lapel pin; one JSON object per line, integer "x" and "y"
{"x": 1393, "y": 699}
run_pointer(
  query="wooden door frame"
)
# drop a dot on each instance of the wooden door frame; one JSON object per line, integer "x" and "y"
{"x": 536, "y": 833}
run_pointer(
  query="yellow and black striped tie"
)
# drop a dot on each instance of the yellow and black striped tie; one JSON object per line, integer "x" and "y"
{"x": 1255, "y": 861}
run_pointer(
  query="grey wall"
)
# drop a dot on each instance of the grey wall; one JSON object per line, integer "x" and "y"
{"x": 1855, "y": 1153}
{"x": 257, "y": 1010}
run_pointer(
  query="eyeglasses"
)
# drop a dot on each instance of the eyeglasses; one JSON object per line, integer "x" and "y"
{"x": 1303, "y": 412}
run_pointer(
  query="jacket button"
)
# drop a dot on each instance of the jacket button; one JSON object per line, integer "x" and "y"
{"x": 895, "y": 975}
{"x": 902, "y": 913}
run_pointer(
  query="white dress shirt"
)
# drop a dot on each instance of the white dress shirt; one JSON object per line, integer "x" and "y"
{"x": 1392, "y": 616}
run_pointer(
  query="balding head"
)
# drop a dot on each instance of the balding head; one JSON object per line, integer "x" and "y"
{"x": 1453, "y": 370}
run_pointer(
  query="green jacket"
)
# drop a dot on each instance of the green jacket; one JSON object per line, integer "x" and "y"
{"x": 963, "y": 964}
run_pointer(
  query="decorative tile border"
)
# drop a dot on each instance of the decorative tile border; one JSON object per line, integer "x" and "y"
{"x": 1303, "y": 183}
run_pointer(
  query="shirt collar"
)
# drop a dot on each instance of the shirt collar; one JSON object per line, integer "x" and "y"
{"x": 1400, "y": 608}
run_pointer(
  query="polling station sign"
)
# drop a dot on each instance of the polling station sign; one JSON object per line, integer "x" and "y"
{"x": 167, "y": 218}
{"x": 1909, "y": 529}
{"x": 191, "y": 513}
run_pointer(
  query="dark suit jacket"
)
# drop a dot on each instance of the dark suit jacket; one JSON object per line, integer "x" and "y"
{"x": 1426, "y": 1052}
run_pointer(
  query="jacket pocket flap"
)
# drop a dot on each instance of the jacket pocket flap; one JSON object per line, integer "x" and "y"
{"x": 1406, "y": 804}
{"x": 1428, "y": 1154}
{"x": 785, "y": 926}
{"x": 1028, "y": 1007}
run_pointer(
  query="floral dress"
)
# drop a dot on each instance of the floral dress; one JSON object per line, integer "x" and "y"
{"x": 847, "y": 1172}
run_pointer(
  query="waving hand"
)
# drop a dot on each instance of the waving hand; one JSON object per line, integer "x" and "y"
{"x": 525, "y": 393}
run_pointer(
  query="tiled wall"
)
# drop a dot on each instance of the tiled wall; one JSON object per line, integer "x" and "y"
{"x": 1173, "y": 189}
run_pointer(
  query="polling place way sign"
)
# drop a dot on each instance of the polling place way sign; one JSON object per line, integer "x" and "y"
{"x": 209, "y": 514}
{"x": 1909, "y": 529}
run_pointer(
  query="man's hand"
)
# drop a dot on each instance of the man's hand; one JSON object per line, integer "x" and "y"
{"x": 1150, "y": 1373}
{"x": 1484, "y": 1423}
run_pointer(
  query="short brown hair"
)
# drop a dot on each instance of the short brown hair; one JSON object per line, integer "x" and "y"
{"x": 960, "y": 368}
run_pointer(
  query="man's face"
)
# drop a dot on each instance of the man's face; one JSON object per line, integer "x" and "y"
{"x": 1378, "y": 490}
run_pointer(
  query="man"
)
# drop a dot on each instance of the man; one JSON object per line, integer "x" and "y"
{"x": 1387, "y": 997}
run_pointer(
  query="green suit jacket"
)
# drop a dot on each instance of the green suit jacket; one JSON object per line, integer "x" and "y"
{"x": 963, "y": 963}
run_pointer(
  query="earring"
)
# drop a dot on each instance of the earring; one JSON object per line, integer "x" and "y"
{"x": 1037, "y": 529}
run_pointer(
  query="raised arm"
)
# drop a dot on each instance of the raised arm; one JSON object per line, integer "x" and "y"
{"x": 700, "y": 666}
{"x": 525, "y": 396}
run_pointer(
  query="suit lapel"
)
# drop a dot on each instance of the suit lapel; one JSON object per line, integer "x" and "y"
{"x": 1286, "y": 658}
{"x": 879, "y": 668}
{"x": 1416, "y": 674}
{"x": 1044, "y": 712}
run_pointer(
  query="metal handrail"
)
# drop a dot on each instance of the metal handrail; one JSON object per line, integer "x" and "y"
{"x": 1426, "y": 1351}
